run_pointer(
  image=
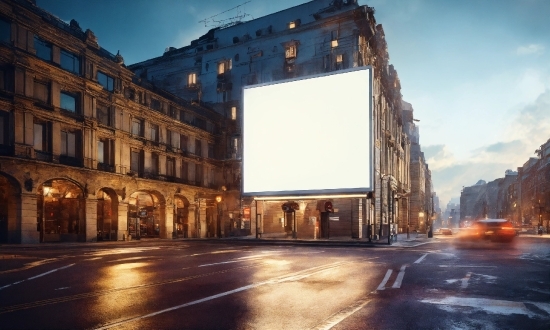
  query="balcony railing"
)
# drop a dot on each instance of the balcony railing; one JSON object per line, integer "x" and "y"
{"x": 43, "y": 155}
{"x": 106, "y": 167}
{"x": 70, "y": 161}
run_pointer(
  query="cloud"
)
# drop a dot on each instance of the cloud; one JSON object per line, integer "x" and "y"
{"x": 532, "y": 49}
{"x": 527, "y": 130}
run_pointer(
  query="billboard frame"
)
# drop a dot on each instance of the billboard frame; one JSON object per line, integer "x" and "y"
{"x": 316, "y": 193}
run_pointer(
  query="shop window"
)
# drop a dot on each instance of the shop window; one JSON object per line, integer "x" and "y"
{"x": 42, "y": 91}
{"x": 290, "y": 52}
{"x": 170, "y": 166}
{"x": 198, "y": 147}
{"x": 105, "y": 154}
{"x": 154, "y": 133}
{"x": 5, "y": 31}
{"x": 69, "y": 102}
{"x": 104, "y": 115}
{"x": 70, "y": 62}
{"x": 137, "y": 127}
{"x": 106, "y": 81}
{"x": 43, "y": 49}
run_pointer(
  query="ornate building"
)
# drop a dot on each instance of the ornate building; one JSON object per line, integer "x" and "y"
{"x": 89, "y": 151}
{"x": 316, "y": 37}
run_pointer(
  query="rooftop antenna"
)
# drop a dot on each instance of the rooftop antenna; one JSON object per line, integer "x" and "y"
{"x": 219, "y": 22}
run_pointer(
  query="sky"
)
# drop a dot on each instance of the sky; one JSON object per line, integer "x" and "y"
{"x": 477, "y": 73}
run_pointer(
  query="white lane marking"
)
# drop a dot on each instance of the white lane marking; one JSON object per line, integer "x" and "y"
{"x": 494, "y": 306}
{"x": 91, "y": 259}
{"x": 385, "y": 280}
{"x": 312, "y": 271}
{"x": 420, "y": 259}
{"x": 63, "y": 288}
{"x": 465, "y": 280}
{"x": 37, "y": 276}
{"x": 341, "y": 315}
{"x": 399, "y": 279}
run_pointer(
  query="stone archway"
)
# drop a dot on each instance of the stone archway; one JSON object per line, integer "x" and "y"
{"x": 182, "y": 226}
{"x": 61, "y": 209}
{"x": 107, "y": 215}
{"x": 146, "y": 215}
{"x": 10, "y": 204}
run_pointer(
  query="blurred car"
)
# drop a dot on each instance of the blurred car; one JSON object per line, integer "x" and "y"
{"x": 446, "y": 231}
{"x": 492, "y": 229}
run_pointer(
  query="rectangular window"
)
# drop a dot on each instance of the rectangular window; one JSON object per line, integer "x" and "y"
{"x": 40, "y": 138}
{"x": 184, "y": 171}
{"x": 137, "y": 127}
{"x": 210, "y": 150}
{"x": 154, "y": 132}
{"x": 106, "y": 81}
{"x": 155, "y": 104}
{"x": 221, "y": 67}
{"x": 198, "y": 174}
{"x": 70, "y": 62}
{"x": 68, "y": 144}
{"x": 104, "y": 115}
{"x": 154, "y": 163}
{"x": 42, "y": 91}
{"x": 4, "y": 128}
{"x": 192, "y": 79}
{"x": 105, "y": 148}
{"x": 169, "y": 137}
{"x": 68, "y": 102}
{"x": 170, "y": 166}
{"x": 183, "y": 142}
{"x": 5, "y": 31}
{"x": 135, "y": 161}
{"x": 292, "y": 25}
{"x": 290, "y": 51}
{"x": 198, "y": 147}
{"x": 6, "y": 78}
{"x": 339, "y": 58}
{"x": 43, "y": 49}
{"x": 233, "y": 113}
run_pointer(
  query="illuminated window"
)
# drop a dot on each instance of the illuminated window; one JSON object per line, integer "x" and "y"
{"x": 192, "y": 79}
{"x": 221, "y": 68}
{"x": 334, "y": 43}
{"x": 290, "y": 51}
{"x": 233, "y": 113}
{"x": 291, "y": 25}
{"x": 339, "y": 58}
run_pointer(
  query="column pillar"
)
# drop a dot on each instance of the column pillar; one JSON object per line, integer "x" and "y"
{"x": 122, "y": 219}
{"x": 169, "y": 222}
{"x": 26, "y": 212}
{"x": 90, "y": 218}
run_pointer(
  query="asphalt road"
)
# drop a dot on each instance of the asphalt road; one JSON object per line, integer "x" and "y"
{"x": 164, "y": 284}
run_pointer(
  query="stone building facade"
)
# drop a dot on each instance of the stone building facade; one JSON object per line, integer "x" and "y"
{"x": 90, "y": 151}
{"x": 316, "y": 37}
{"x": 523, "y": 197}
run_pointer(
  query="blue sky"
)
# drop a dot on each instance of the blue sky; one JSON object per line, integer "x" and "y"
{"x": 476, "y": 72}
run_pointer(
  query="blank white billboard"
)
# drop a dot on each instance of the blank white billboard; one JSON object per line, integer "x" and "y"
{"x": 308, "y": 136}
